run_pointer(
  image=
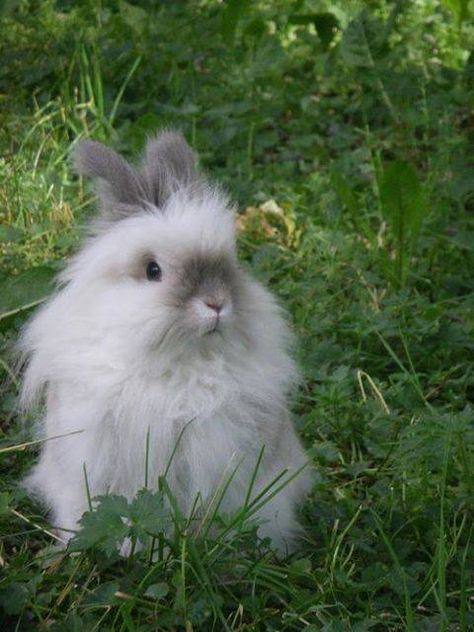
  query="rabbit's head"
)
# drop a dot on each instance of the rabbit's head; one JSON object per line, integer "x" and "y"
{"x": 161, "y": 268}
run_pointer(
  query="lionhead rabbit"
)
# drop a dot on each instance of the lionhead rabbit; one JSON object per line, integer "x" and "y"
{"x": 155, "y": 328}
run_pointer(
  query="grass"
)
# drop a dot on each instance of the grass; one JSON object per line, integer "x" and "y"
{"x": 325, "y": 124}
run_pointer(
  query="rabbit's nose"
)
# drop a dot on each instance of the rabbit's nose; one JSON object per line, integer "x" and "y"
{"x": 215, "y": 307}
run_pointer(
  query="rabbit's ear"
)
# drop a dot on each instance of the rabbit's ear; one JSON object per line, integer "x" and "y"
{"x": 169, "y": 164}
{"x": 122, "y": 189}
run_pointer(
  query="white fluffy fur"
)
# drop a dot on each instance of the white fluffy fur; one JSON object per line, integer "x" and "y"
{"x": 98, "y": 355}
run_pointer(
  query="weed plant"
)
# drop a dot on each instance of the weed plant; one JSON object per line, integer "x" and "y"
{"x": 344, "y": 130}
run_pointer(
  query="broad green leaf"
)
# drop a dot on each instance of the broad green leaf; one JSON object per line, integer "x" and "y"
{"x": 21, "y": 292}
{"x": 404, "y": 206}
{"x": 363, "y": 41}
{"x": 10, "y": 233}
{"x": 403, "y": 201}
{"x": 105, "y": 527}
{"x": 104, "y": 595}
{"x": 325, "y": 452}
{"x": 157, "y": 591}
{"x": 461, "y": 187}
{"x": 4, "y": 502}
{"x": 233, "y": 11}
{"x": 14, "y": 598}
{"x": 135, "y": 17}
{"x": 344, "y": 192}
{"x": 148, "y": 513}
{"x": 460, "y": 9}
{"x": 301, "y": 566}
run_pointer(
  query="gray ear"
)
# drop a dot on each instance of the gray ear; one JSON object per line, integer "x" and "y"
{"x": 122, "y": 189}
{"x": 169, "y": 164}
{"x": 125, "y": 190}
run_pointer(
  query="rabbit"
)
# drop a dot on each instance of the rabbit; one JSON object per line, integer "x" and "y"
{"x": 156, "y": 336}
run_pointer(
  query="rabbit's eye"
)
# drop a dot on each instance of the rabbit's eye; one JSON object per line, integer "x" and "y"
{"x": 153, "y": 271}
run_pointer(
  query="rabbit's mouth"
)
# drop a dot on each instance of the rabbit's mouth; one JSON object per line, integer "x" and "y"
{"x": 209, "y": 315}
{"x": 215, "y": 328}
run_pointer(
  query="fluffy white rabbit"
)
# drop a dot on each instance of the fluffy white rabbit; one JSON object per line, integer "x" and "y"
{"x": 154, "y": 328}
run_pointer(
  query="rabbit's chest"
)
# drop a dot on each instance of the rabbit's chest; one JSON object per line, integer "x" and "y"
{"x": 184, "y": 393}
{"x": 195, "y": 432}
{"x": 164, "y": 406}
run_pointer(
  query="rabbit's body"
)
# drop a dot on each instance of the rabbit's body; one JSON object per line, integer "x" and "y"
{"x": 191, "y": 352}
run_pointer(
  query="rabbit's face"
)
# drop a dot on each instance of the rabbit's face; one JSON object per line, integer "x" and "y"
{"x": 165, "y": 276}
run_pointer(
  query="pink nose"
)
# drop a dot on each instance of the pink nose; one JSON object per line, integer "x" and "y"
{"x": 215, "y": 306}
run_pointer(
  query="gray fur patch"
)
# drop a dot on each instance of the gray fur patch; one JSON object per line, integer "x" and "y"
{"x": 121, "y": 185}
{"x": 208, "y": 276}
{"x": 169, "y": 164}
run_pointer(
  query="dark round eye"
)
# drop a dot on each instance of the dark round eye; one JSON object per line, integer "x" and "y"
{"x": 153, "y": 271}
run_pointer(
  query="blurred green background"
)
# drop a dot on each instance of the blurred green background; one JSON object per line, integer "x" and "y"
{"x": 344, "y": 131}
